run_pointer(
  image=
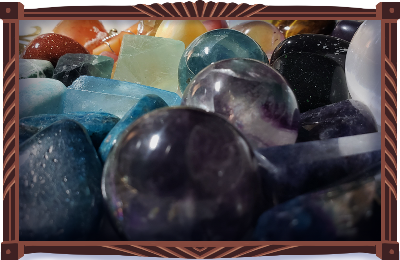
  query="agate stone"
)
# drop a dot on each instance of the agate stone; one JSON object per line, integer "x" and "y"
{"x": 73, "y": 65}
{"x": 325, "y": 45}
{"x": 150, "y": 61}
{"x": 252, "y": 96}
{"x": 30, "y": 68}
{"x": 350, "y": 212}
{"x": 182, "y": 174}
{"x": 346, "y": 29}
{"x": 315, "y": 80}
{"x": 345, "y": 118}
{"x": 97, "y": 124}
{"x": 292, "y": 170}
{"x": 363, "y": 68}
{"x": 145, "y": 105}
{"x": 59, "y": 185}
{"x": 214, "y": 46}
{"x": 51, "y": 46}
{"x": 40, "y": 96}
{"x": 293, "y": 27}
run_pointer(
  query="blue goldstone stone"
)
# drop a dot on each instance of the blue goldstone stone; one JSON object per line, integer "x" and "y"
{"x": 145, "y": 105}
{"x": 214, "y": 46}
{"x": 97, "y": 124}
{"x": 59, "y": 185}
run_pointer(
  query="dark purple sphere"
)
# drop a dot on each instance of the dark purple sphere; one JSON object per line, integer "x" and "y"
{"x": 251, "y": 95}
{"x": 182, "y": 174}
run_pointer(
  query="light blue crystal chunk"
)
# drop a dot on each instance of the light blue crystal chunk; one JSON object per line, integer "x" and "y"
{"x": 30, "y": 68}
{"x": 145, "y": 105}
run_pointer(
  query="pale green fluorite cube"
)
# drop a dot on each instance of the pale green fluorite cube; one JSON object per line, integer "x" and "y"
{"x": 150, "y": 61}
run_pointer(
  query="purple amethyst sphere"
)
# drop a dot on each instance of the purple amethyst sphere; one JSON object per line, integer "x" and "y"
{"x": 182, "y": 174}
{"x": 252, "y": 95}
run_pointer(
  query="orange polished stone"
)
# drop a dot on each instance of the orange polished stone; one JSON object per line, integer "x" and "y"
{"x": 265, "y": 34}
{"x": 185, "y": 31}
{"x": 214, "y": 24}
{"x": 89, "y": 33}
{"x": 294, "y": 27}
{"x": 51, "y": 47}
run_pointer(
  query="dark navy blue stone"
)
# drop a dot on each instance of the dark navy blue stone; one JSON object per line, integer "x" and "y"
{"x": 345, "y": 118}
{"x": 59, "y": 185}
{"x": 350, "y": 211}
{"x": 292, "y": 170}
{"x": 26, "y": 132}
{"x": 346, "y": 29}
{"x": 213, "y": 46}
{"x": 146, "y": 104}
{"x": 97, "y": 124}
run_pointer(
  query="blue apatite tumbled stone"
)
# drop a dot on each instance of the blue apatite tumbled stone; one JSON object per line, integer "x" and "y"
{"x": 59, "y": 184}
{"x": 26, "y": 132}
{"x": 145, "y": 105}
{"x": 97, "y": 124}
{"x": 214, "y": 46}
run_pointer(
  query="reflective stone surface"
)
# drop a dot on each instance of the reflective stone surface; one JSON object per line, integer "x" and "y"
{"x": 182, "y": 174}
{"x": 252, "y": 96}
{"x": 183, "y": 30}
{"x": 325, "y": 45}
{"x": 346, "y": 29}
{"x": 315, "y": 80}
{"x": 59, "y": 185}
{"x": 214, "y": 46}
{"x": 26, "y": 132}
{"x": 345, "y": 118}
{"x": 363, "y": 67}
{"x": 294, "y": 27}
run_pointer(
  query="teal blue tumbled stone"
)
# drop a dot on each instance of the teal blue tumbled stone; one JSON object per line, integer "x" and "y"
{"x": 97, "y": 124}
{"x": 214, "y": 46}
{"x": 146, "y": 104}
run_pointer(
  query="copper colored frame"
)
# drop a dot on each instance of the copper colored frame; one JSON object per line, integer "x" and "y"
{"x": 11, "y": 13}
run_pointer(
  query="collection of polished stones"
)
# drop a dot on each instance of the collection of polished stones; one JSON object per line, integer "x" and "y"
{"x": 201, "y": 130}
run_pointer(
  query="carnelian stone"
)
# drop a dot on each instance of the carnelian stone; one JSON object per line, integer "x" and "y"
{"x": 214, "y": 24}
{"x": 51, "y": 46}
{"x": 185, "y": 31}
{"x": 89, "y": 33}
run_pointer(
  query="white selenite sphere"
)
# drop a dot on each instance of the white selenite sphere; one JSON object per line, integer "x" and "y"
{"x": 363, "y": 67}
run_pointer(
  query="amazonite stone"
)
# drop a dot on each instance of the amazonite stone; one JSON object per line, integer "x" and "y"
{"x": 40, "y": 96}
{"x": 35, "y": 69}
{"x": 151, "y": 61}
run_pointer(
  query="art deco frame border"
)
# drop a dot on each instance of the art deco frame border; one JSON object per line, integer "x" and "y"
{"x": 388, "y": 13}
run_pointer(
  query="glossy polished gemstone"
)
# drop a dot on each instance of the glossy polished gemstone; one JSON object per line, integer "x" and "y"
{"x": 146, "y": 104}
{"x": 325, "y": 45}
{"x": 363, "y": 68}
{"x": 73, "y": 65}
{"x": 344, "y": 118}
{"x": 265, "y": 34}
{"x": 26, "y": 132}
{"x": 51, "y": 46}
{"x": 292, "y": 170}
{"x": 182, "y": 174}
{"x": 214, "y": 24}
{"x": 315, "y": 80}
{"x": 346, "y": 29}
{"x": 294, "y": 27}
{"x": 349, "y": 212}
{"x": 40, "y": 96}
{"x": 97, "y": 125}
{"x": 185, "y": 31}
{"x": 35, "y": 69}
{"x": 59, "y": 185}
{"x": 89, "y": 33}
{"x": 214, "y": 46}
{"x": 252, "y": 96}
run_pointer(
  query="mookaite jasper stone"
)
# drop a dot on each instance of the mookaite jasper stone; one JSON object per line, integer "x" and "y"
{"x": 59, "y": 185}
{"x": 265, "y": 34}
{"x": 346, "y": 29}
{"x": 51, "y": 46}
{"x": 182, "y": 174}
{"x": 214, "y": 46}
{"x": 89, "y": 33}
{"x": 345, "y": 118}
{"x": 252, "y": 96}
{"x": 325, "y": 45}
{"x": 315, "y": 80}
{"x": 294, "y": 27}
